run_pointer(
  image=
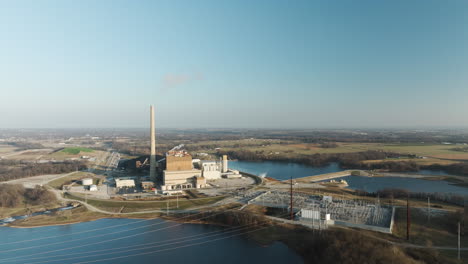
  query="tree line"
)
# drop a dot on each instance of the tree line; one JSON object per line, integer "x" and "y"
{"x": 15, "y": 195}
{"x": 352, "y": 160}
{"x": 11, "y": 169}
{"x": 329, "y": 246}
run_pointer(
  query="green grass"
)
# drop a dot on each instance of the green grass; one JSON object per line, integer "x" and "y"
{"x": 75, "y": 150}
{"x": 134, "y": 206}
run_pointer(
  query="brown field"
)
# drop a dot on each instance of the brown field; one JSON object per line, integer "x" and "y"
{"x": 424, "y": 162}
{"x": 460, "y": 156}
{"x": 435, "y": 154}
{"x": 6, "y": 148}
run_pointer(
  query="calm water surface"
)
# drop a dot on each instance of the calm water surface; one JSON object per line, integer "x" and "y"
{"x": 137, "y": 241}
{"x": 282, "y": 171}
{"x": 373, "y": 184}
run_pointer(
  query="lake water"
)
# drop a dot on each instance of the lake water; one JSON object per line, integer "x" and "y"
{"x": 137, "y": 241}
{"x": 373, "y": 184}
{"x": 282, "y": 171}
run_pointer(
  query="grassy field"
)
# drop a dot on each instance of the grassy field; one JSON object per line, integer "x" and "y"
{"x": 75, "y": 150}
{"x": 77, "y": 215}
{"x": 435, "y": 231}
{"x": 134, "y": 206}
{"x": 434, "y": 153}
{"x": 423, "y": 162}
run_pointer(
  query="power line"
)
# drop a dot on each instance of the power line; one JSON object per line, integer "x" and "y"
{"x": 148, "y": 247}
{"x": 104, "y": 241}
{"x": 39, "y": 229}
{"x": 87, "y": 231}
{"x": 174, "y": 248}
{"x": 139, "y": 245}
{"x": 79, "y": 239}
{"x": 127, "y": 247}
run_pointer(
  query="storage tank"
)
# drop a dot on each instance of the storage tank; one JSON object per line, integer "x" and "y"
{"x": 225, "y": 164}
{"x": 87, "y": 181}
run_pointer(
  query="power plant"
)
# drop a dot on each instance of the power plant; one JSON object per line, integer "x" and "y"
{"x": 178, "y": 171}
{"x": 153, "y": 163}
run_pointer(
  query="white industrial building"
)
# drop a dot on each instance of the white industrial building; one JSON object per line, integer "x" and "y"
{"x": 124, "y": 182}
{"x": 87, "y": 181}
{"x": 211, "y": 170}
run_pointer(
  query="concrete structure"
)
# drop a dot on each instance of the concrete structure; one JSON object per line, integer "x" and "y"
{"x": 124, "y": 182}
{"x": 93, "y": 188}
{"x": 180, "y": 179}
{"x": 87, "y": 181}
{"x": 153, "y": 146}
{"x": 225, "y": 164}
{"x": 200, "y": 182}
{"x": 179, "y": 163}
{"x": 179, "y": 172}
{"x": 211, "y": 170}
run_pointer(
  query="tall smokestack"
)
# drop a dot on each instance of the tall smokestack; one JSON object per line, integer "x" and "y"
{"x": 225, "y": 163}
{"x": 153, "y": 146}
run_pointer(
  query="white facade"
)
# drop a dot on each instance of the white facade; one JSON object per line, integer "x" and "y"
{"x": 93, "y": 188}
{"x": 225, "y": 164}
{"x": 310, "y": 214}
{"x": 173, "y": 180}
{"x": 119, "y": 183}
{"x": 87, "y": 181}
{"x": 211, "y": 170}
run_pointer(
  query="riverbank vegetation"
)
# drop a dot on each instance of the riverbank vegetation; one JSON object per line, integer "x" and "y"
{"x": 15, "y": 195}
{"x": 335, "y": 245}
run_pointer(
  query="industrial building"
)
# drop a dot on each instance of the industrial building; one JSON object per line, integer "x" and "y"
{"x": 211, "y": 169}
{"x": 124, "y": 182}
{"x": 176, "y": 171}
{"x": 179, "y": 172}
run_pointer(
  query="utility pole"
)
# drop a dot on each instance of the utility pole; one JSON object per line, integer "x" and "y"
{"x": 177, "y": 200}
{"x": 428, "y": 209}
{"x": 291, "y": 201}
{"x": 167, "y": 207}
{"x": 459, "y": 240}
{"x": 408, "y": 219}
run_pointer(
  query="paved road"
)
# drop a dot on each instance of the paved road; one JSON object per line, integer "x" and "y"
{"x": 31, "y": 182}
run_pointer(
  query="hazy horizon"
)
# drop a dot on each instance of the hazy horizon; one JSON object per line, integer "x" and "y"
{"x": 243, "y": 64}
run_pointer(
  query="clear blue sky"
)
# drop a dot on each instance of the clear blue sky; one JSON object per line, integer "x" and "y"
{"x": 263, "y": 63}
